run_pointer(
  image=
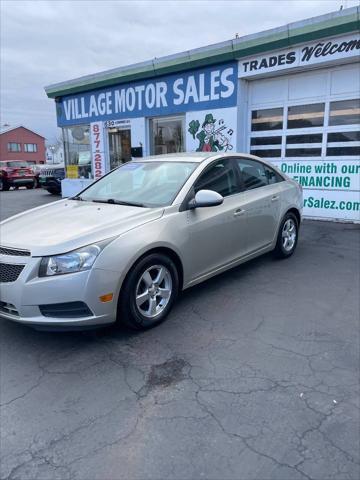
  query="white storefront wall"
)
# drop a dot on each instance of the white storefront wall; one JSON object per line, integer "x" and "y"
{"x": 330, "y": 182}
{"x": 312, "y": 74}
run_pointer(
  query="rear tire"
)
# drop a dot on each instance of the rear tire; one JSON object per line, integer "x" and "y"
{"x": 287, "y": 237}
{"x": 148, "y": 293}
{"x": 30, "y": 187}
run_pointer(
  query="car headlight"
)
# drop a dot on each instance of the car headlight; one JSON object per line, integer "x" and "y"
{"x": 76, "y": 261}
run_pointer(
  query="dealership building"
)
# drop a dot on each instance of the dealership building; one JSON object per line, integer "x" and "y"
{"x": 290, "y": 95}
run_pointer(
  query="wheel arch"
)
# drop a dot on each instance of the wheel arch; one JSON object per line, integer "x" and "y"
{"x": 297, "y": 214}
{"x": 169, "y": 252}
{"x": 295, "y": 211}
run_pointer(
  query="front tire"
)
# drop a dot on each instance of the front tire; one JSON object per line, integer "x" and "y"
{"x": 4, "y": 187}
{"x": 52, "y": 191}
{"x": 287, "y": 236}
{"x": 149, "y": 292}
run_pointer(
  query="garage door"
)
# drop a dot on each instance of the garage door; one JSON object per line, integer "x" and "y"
{"x": 308, "y": 124}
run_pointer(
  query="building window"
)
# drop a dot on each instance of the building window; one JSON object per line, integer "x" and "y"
{"x": 266, "y": 147}
{"x": 307, "y": 138}
{"x": 267, "y": 153}
{"x": 305, "y": 116}
{"x": 265, "y": 141}
{"x": 303, "y": 152}
{"x": 343, "y": 144}
{"x": 14, "y": 147}
{"x": 167, "y": 135}
{"x": 77, "y": 149}
{"x": 345, "y": 112}
{"x": 269, "y": 119}
{"x": 303, "y": 145}
{"x": 343, "y": 151}
{"x": 344, "y": 137}
{"x": 30, "y": 147}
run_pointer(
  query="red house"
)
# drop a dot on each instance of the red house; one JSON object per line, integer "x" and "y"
{"x": 20, "y": 143}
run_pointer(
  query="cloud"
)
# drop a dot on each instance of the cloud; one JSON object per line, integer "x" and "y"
{"x": 44, "y": 42}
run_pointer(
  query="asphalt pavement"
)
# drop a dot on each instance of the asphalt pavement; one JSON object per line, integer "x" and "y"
{"x": 255, "y": 375}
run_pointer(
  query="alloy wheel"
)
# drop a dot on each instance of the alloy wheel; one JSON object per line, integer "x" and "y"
{"x": 153, "y": 291}
{"x": 289, "y": 235}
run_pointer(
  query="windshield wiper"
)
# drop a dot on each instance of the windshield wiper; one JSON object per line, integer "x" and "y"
{"x": 77, "y": 197}
{"x": 119, "y": 202}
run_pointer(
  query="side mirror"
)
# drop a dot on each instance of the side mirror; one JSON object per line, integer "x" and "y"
{"x": 206, "y": 198}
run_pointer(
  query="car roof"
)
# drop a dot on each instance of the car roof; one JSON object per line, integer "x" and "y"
{"x": 196, "y": 157}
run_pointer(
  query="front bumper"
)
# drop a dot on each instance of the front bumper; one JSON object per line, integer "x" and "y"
{"x": 20, "y": 182}
{"x": 20, "y": 299}
{"x": 50, "y": 182}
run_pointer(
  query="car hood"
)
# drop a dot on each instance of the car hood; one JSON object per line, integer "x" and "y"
{"x": 69, "y": 224}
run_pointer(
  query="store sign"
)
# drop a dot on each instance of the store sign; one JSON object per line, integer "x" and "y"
{"x": 118, "y": 124}
{"x": 211, "y": 87}
{"x": 97, "y": 149}
{"x": 331, "y": 188}
{"x": 311, "y": 54}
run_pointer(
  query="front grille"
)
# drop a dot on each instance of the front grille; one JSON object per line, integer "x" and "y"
{"x": 14, "y": 251}
{"x": 10, "y": 272}
{"x": 52, "y": 172}
{"x": 47, "y": 173}
{"x": 66, "y": 310}
{"x": 8, "y": 308}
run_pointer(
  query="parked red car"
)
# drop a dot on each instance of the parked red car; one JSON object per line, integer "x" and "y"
{"x": 16, "y": 173}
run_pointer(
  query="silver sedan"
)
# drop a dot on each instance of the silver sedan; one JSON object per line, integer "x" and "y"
{"x": 123, "y": 248}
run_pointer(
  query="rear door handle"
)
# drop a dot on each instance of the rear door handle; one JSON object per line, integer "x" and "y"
{"x": 238, "y": 212}
{"x": 275, "y": 198}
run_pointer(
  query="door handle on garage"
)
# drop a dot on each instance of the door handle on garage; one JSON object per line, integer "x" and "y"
{"x": 238, "y": 212}
{"x": 275, "y": 198}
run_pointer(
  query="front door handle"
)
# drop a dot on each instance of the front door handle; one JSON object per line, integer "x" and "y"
{"x": 275, "y": 198}
{"x": 238, "y": 212}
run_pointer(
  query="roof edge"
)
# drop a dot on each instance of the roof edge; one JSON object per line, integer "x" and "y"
{"x": 21, "y": 126}
{"x": 331, "y": 24}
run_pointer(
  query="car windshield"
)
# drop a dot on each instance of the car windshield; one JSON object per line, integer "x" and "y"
{"x": 17, "y": 164}
{"x": 143, "y": 184}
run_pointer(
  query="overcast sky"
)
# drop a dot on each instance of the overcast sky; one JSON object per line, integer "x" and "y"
{"x": 44, "y": 42}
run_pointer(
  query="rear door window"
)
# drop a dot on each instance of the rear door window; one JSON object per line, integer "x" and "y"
{"x": 272, "y": 175}
{"x": 253, "y": 173}
{"x": 256, "y": 174}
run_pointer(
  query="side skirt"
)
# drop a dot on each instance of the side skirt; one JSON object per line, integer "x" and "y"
{"x": 230, "y": 265}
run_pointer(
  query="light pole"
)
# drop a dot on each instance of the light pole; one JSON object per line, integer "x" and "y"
{"x": 52, "y": 150}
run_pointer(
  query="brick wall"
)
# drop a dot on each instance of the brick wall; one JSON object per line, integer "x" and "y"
{"x": 22, "y": 135}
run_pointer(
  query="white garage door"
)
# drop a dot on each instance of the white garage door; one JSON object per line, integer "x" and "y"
{"x": 309, "y": 125}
